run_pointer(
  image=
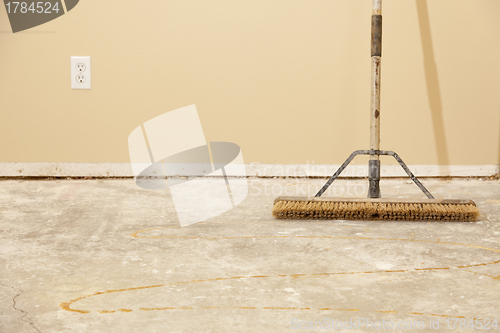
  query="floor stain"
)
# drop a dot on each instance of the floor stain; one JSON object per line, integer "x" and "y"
{"x": 67, "y": 305}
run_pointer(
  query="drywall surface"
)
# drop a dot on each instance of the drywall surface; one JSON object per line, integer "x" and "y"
{"x": 288, "y": 81}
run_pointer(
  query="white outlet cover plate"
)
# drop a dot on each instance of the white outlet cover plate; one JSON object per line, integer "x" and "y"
{"x": 75, "y": 72}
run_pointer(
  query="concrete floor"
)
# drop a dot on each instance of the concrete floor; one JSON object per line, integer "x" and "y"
{"x": 107, "y": 256}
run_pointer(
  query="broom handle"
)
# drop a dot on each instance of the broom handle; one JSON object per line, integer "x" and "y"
{"x": 376, "y": 53}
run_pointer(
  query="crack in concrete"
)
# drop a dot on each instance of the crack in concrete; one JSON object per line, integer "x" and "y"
{"x": 25, "y": 317}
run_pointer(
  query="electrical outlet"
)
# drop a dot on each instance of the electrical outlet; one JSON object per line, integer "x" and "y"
{"x": 80, "y": 73}
{"x": 80, "y": 78}
{"x": 81, "y": 67}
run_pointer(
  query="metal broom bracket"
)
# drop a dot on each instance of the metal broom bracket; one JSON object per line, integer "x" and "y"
{"x": 374, "y": 172}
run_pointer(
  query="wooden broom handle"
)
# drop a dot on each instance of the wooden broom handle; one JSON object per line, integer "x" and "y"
{"x": 376, "y": 53}
{"x": 374, "y": 163}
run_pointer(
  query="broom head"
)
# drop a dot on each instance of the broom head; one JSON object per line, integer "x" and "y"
{"x": 322, "y": 208}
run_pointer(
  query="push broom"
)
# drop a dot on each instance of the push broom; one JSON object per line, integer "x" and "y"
{"x": 374, "y": 207}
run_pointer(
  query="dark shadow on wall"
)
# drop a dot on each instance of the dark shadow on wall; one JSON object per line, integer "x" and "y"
{"x": 432, "y": 81}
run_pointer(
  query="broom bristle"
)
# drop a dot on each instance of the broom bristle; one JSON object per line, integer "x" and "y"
{"x": 378, "y": 209}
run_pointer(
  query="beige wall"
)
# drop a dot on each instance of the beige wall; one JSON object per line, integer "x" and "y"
{"x": 289, "y": 81}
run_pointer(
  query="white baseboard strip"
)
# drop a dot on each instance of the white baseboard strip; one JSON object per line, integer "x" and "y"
{"x": 65, "y": 169}
{"x": 358, "y": 170}
{"x": 252, "y": 170}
